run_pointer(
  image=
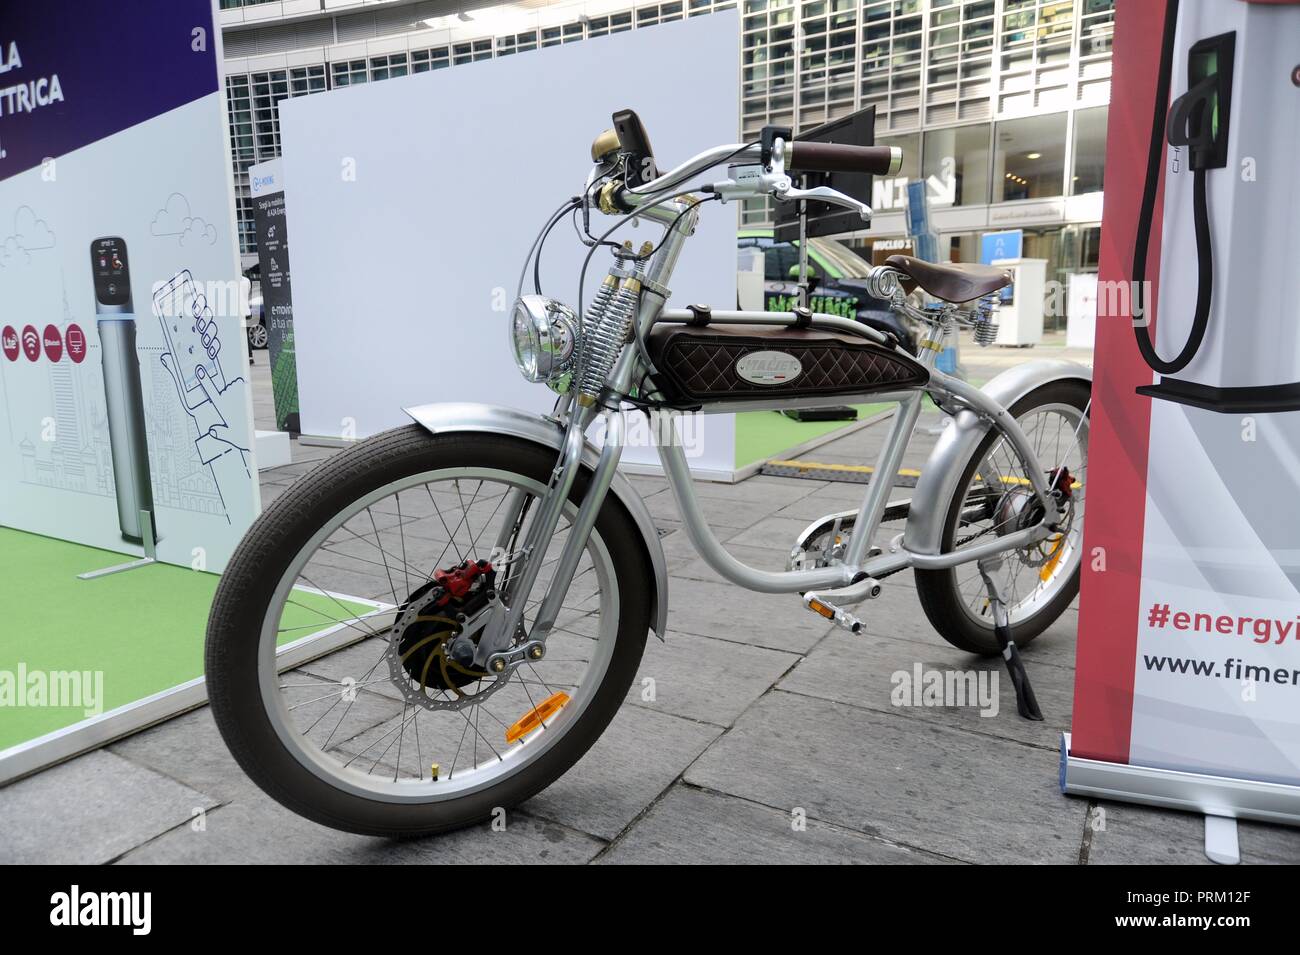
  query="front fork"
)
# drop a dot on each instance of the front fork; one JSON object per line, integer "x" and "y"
{"x": 494, "y": 651}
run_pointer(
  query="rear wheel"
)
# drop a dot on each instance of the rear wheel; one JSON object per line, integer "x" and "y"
{"x": 391, "y": 545}
{"x": 992, "y": 496}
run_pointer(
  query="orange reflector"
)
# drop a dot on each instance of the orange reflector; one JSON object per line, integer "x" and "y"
{"x": 816, "y": 606}
{"x": 1049, "y": 568}
{"x": 535, "y": 717}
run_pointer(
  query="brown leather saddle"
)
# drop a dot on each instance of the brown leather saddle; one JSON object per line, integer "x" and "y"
{"x": 951, "y": 281}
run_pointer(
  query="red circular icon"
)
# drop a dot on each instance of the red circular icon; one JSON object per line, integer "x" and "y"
{"x": 53, "y": 342}
{"x": 31, "y": 343}
{"x": 9, "y": 341}
{"x": 74, "y": 339}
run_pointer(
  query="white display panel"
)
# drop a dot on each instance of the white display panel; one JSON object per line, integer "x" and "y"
{"x": 123, "y": 373}
{"x": 414, "y": 201}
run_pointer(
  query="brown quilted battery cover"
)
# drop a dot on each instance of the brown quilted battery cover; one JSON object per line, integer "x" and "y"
{"x": 719, "y": 362}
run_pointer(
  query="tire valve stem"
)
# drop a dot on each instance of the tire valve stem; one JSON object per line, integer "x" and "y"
{"x": 434, "y": 769}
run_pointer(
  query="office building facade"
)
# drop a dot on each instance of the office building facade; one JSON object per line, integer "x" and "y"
{"x": 999, "y": 105}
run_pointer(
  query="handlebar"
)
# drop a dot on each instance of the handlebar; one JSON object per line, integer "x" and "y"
{"x": 838, "y": 157}
{"x": 734, "y": 152}
{"x": 770, "y": 180}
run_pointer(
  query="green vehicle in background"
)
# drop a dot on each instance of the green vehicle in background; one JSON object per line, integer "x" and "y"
{"x": 838, "y": 275}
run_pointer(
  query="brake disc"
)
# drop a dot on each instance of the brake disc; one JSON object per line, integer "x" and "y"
{"x": 419, "y": 661}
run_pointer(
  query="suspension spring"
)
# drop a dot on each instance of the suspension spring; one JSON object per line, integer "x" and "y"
{"x": 984, "y": 325}
{"x": 607, "y": 333}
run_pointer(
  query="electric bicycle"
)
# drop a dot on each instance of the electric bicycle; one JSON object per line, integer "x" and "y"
{"x": 519, "y": 573}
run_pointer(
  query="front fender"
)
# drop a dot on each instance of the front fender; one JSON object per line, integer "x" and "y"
{"x": 943, "y": 469}
{"x": 441, "y": 418}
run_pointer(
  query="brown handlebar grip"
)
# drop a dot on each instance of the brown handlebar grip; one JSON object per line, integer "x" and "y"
{"x": 839, "y": 157}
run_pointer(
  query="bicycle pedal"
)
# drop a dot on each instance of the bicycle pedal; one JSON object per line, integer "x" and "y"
{"x": 837, "y": 615}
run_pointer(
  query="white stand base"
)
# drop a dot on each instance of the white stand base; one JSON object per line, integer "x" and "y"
{"x": 150, "y": 552}
{"x": 1221, "y": 840}
{"x": 272, "y": 449}
{"x": 1221, "y": 799}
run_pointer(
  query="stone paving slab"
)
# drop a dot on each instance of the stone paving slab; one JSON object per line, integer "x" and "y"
{"x": 257, "y": 830}
{"x": 698, "y": 827}
{"x": 91, "y": 810}
{"x": 1125, "y": 834}
{"x": 720, "y": 512}
{"x": 704, "y": 679}
{"x": 939, "y": 789}
{"x": 880, "y": 674}
{"x": 638, "y": 757}
{"x": 189, "y": 750}
{"x": 775, "y": 621}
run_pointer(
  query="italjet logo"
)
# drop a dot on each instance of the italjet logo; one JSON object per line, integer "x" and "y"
{"x": 769, "y": 367}
{"x": 75, "y": 907}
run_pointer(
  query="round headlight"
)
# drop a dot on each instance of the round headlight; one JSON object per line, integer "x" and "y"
{"x": 543, "y": 333}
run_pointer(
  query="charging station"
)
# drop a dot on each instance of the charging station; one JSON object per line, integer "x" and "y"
{"x": 1224, "y": 339}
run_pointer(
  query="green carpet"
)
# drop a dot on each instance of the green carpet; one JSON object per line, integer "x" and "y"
{"x": 142, "y": 629}
{"x": 763, "y": 434}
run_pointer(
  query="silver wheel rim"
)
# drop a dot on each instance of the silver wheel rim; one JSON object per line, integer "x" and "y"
{"x": 1028, "y": 592}
{"x": 257, "y": 334}
{"x": 345, "y": 761}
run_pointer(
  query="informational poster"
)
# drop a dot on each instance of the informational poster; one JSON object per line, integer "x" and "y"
{"x": 266, "y": 184}
{"x": 125, "y": 409}
{"x": 1189, "y": 632}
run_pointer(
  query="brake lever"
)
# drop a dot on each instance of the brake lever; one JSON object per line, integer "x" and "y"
{"x": 825, "y": 194}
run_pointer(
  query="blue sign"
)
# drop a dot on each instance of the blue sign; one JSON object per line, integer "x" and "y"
{"x": 918, "y": 208}
{"x": 1001, "y": 245}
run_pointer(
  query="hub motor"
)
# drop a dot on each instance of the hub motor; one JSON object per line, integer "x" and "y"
{"x": 435, "y": 633}
{"x": 1019, "y": 508}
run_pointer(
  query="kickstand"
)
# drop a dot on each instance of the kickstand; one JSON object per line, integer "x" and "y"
{"x": 1026, "y": 703}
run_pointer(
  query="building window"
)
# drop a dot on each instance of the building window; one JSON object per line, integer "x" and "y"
{"x": 658, "y": 13}
{"x": 304, "y": 80}
{"x": 1037, "y": 36}
{"x": 1029, "y": 157}
{"x": 244, "y": 222}
{"x": 614, "y": 23}
{"x": 1089, "y": 150}
{"x": 347, "y": 73}
{"x": 422, "y": 61}
{"x": 387, "y": 67}
{"x": 268, "y": 89}
{"x": 891, "y": 42}
{"x": 956, "y": 164}
{"x": 240, "y": 108}
{"x": 471, "y": 51}
{"x": 516, "y": 43}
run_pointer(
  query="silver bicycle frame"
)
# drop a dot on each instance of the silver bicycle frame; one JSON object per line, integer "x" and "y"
{"x": 850, "y": 580}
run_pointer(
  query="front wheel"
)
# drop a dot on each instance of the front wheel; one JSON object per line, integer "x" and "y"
{"x": 993, "y": 497}
{"x": 396, "y": 546}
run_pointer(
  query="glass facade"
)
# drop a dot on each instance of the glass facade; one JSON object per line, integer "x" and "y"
{"x": 970, "y": 89}
{"x": 1089, "y": 150}
{"x": 957, "y": 159}
{"x": 1029, "y": 157}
